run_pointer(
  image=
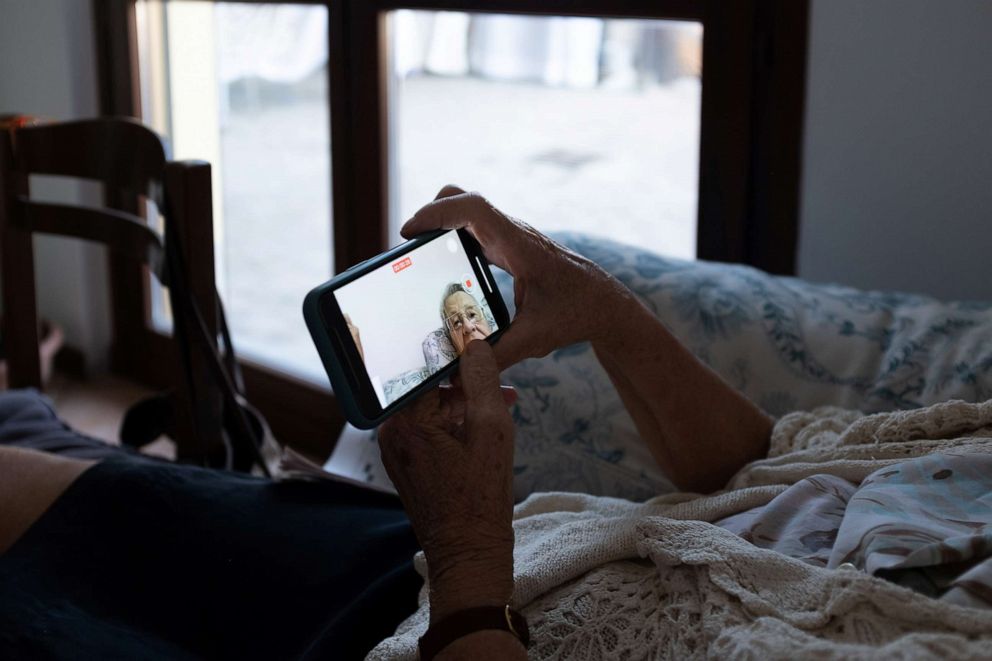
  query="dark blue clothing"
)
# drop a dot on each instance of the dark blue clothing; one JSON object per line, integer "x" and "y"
{"x": 146, "y": 559}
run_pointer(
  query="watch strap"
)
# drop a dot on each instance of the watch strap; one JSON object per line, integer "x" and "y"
{"x": 464, "y": 622}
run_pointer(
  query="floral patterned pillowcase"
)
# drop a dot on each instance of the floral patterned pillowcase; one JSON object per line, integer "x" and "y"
{"x": 787, "y": 344}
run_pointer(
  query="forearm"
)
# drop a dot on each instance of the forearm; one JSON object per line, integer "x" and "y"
{"x": 30, "y": 481}
{"x": 699, "y": 429}
{"x": 484, "y": 646}
{"x": 468, "y": 584}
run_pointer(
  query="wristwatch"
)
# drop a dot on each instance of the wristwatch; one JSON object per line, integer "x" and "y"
{"x": 462, "y": 623}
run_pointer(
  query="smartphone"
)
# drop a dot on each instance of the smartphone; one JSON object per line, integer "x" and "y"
{"x": 393, "y": 326}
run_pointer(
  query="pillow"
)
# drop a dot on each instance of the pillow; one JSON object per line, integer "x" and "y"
{"x": 438, "y": 350}
{"x": 400, "y": 385}
{"x": 786, "y": 343}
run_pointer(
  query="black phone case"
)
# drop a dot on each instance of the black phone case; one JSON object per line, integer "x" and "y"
{"x": 321, "y": 334}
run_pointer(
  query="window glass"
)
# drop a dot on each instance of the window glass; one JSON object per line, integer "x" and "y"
{"x": 244, "y": 87}
{"x": 582, "y": 124}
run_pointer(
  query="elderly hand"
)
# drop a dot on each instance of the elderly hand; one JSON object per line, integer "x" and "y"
{"x": 450, "y": 456}
{"x": 553, "y": 287}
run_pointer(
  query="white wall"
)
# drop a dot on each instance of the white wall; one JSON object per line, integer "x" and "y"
{"x": 47, "y": 68}
{"x": 897, "y": 189}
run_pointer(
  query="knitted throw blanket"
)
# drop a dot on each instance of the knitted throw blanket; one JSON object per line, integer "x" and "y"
{"x": 602, "y": 578}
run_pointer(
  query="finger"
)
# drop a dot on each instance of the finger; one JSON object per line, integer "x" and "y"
{"x": 480, "y": 375}
{"x": 453, "y": 404}
{"x": 448, "y": 191}
{"x": 465, "y": 210}
{"x": 487, "y": 421}
{"x": 453, "y": 398}
{"x": 448, "y": 212}
{"x": 423, "y": 415}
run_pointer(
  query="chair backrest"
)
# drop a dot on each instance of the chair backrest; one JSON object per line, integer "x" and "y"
{"x": 126, "y": 157}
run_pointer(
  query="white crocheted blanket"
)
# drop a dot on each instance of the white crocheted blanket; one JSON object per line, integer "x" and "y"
{"x": 602, "y": 578}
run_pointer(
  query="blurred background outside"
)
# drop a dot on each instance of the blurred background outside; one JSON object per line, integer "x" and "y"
{"x": 579, "y": 124}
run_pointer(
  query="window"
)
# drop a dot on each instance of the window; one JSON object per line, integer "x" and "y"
{"x": 669, "y": 123}
{"x": 576, "y": 123}
{"x": 244, "y": 87}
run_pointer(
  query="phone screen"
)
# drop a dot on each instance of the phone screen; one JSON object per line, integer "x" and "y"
{"x": 413, "y": 316}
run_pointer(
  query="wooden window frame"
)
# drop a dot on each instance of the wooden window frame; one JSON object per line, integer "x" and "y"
{"x": 753, "y": 92}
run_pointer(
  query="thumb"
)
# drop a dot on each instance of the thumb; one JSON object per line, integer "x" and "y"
{"x": 449, "y": 190}
{"x": 487, "y": 420}
{"x": 480, "y": 375}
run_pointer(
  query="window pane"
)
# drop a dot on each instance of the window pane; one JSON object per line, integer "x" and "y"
{"x": 244, "y": 86}
{"x": 580, "y": 124}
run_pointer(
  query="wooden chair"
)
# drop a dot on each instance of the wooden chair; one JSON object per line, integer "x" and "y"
{"x": 131, "y": 161}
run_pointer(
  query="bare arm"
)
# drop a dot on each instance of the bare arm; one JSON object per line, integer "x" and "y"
{"x": 467, "y": 583}
{"x": 455, "y": 478}
{"x": 699, "y": 429}
{"x": 484, "y": 646}
{"x": 30, "y": 482}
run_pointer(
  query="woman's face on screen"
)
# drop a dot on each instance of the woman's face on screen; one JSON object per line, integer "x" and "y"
{"x": 464, "y": 320}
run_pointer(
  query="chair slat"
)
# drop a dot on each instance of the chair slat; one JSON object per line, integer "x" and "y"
{"x": 125, "y": 156}
{"x": 120, "y": 152}
{"x": 122, "y": 232}
{"x": 20, "y": 309}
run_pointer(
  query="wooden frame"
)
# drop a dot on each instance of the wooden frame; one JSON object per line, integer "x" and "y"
{"x": 299, "y": 413}
{"x": 754, "y": 54}
{"x": 121, "y": 154}
{"x": 751, "y": 132}
{"x": 366, "y": 91}
{"x": 754, "y": 84}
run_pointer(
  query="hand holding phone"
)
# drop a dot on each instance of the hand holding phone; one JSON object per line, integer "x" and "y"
{"x": 450, "y": 456}
{"x": 561, "y": 297}
{"x": 395, "y": 325}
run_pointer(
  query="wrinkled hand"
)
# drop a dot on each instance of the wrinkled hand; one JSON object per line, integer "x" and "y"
{"x": 553, "y": 286}
{"x": 450, "y": 457}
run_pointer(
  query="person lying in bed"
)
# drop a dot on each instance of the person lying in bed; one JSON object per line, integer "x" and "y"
{"x": 128, "y": 557}
{"x": 462, "y": 317}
